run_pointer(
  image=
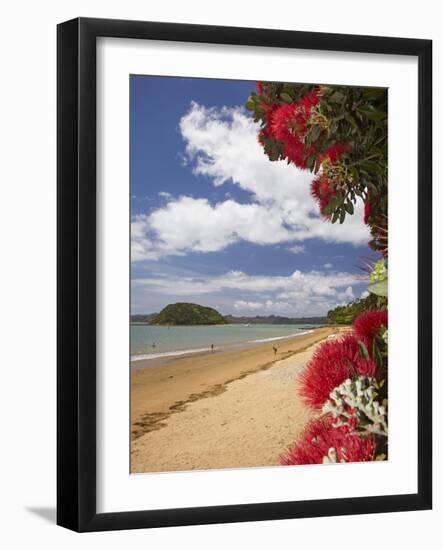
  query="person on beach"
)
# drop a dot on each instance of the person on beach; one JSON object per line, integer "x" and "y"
{"x": 275, "y": 350}
{"x": 153, "y": 345}
{"x": 212, "y": 348}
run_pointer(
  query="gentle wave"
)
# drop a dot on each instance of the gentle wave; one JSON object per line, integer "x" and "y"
{"x": 167, "y": 354}
{"x": 281, "y": 337}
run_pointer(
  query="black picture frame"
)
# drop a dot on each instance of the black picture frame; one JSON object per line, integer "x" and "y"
{"x": 76, "y": 265}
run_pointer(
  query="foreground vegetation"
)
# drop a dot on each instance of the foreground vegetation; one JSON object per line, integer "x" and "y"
{"x": 339, "y": 134}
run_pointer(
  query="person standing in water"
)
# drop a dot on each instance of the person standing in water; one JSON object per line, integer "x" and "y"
{"x": 275, "y": 350}
{"x": 212, "y": 348}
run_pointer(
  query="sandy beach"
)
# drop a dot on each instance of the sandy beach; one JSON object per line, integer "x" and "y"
{"x": 224, "y": 410}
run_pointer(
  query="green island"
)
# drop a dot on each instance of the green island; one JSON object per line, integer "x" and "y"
{"x": 183, "y": 313}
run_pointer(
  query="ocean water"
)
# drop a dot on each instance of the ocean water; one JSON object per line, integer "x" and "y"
{"x": 153, "y": 342}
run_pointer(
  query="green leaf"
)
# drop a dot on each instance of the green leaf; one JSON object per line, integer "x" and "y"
{"x": 351, "y": 120}
{"x": 335, "y": 202}
{"x": 349, "y": 207}
{"x": 377, "y": 355}
{"x": 329, "y": 209}
{"x": 250, "y": 105}
{"x": 286, "y": 97}
{"x": 342, "y": 215}
{"x": 380, "y": 288}
{"x": 373, "y": 114}
{"x": 334, "y": 126}
{"x": 363, "y": 349}
{"x": 311, "y": 162}
{"x": 273, "y": 155}
{"x": 336, "y": 97}
{"x": 370, "y": 167}
{"x": 373, "y": 93}
{"x": 377, "y": 115}
{"x": 315, "y": 133}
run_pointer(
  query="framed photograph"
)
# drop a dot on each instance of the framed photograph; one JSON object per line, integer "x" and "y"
{"x": 238, "y": 211}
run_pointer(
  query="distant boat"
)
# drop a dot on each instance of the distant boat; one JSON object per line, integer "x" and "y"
{"x": 248, "y": 325}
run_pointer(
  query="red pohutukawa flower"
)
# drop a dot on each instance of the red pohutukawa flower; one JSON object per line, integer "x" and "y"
{"x": 320, "y": 439}
{"x": 288, "y": 124}
{"x": 323, "y": 191}
{"x": 331, "y": 364}
{"x": 259, "y": 86}
{"x": 335, "y": 152}
{"x": 310, "y": 100}
{"x": 369, "y": 324}
{"x": 297, "y": 154}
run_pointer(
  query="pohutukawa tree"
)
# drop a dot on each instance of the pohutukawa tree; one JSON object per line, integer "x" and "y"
{"x": 340, "y": 134}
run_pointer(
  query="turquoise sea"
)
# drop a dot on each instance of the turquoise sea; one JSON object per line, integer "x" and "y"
{"x": 153, "y": 342}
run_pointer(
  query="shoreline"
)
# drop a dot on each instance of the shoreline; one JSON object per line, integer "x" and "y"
{"x": 162, "y": 396}
{"x": 150, "y": 360}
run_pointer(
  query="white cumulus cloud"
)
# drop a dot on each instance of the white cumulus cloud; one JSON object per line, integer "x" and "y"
{"x": 221, "y": 144}
{"x": 299, "y": 293}
{"x": 297, "y": 248}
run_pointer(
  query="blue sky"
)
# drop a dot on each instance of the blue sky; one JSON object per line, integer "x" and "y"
{"x": 215, "y": 222}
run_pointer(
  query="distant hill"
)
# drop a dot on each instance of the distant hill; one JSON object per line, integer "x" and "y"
{"x": 178, "y": 313}
{"x": 143, "y": 318}
{"x": 345, "y": 315}
{"x": 275, "y": 320}
{"x": 187, "y": 314}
